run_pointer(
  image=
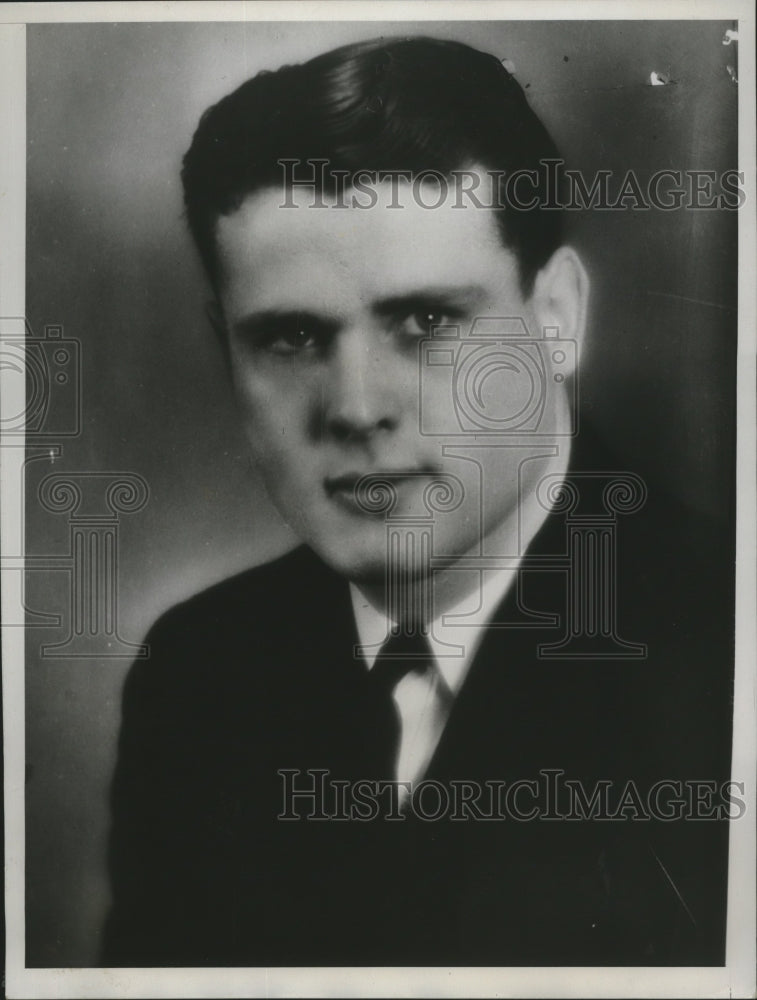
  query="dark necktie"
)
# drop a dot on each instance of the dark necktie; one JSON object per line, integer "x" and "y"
{"x": 399, "y": 655}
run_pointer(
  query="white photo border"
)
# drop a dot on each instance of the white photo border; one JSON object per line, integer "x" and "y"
{"x": 737, "y": 977}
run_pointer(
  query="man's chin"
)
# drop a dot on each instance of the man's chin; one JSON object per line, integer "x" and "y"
{"x": 357, "y": 565}
{"x": 361, "y": 562}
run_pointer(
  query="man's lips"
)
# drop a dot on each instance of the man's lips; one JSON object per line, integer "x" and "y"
{"x": 363, "y": 492}
{"x": 348, "y": 481}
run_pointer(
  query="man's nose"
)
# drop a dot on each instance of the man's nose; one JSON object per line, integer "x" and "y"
{"x": 358, "y": 399}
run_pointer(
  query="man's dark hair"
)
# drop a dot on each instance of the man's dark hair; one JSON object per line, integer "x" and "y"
{"x": 410, "y": 104}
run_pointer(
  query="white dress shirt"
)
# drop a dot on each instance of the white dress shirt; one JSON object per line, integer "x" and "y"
{"x": 424, "y": 700}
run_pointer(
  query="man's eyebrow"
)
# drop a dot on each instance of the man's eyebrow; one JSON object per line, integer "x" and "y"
{"x": 461, "y": 296}
{"x": 263, "y": 319}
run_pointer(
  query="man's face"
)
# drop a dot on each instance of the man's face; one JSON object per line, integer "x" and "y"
{"x": 325, "y": 310}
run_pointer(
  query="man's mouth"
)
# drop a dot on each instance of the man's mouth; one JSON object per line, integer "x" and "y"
{"x": 375, "y": 491}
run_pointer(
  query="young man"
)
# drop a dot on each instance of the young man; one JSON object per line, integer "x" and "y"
{"x": 392, "y": 745}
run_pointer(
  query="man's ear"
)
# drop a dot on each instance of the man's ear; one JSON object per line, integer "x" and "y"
{"x": 561, "y": 295}
{"x": 215, "y": 317}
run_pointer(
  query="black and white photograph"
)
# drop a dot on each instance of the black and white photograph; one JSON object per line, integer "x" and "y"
{"x": 378, "y": 501}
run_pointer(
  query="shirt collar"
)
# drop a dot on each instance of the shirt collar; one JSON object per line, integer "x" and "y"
{"x": 454, "y": 636}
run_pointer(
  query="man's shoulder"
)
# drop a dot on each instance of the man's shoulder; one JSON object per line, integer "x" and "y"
{"x": 257, "y": 596}
{"x": 238, "y": 630}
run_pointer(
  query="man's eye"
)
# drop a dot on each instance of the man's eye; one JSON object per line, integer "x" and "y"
{"x": 296, "y": 339}
{"x": 422, "y": 322}
{"x": 292, "y": 338}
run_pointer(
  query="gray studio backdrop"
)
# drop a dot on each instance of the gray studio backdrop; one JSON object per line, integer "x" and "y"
{"x": 111, "y": 109}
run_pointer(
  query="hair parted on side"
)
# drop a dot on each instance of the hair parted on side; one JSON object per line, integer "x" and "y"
{"x": 401, "y": 104}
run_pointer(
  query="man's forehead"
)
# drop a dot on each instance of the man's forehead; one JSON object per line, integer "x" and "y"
{"x": 328, "y": 237}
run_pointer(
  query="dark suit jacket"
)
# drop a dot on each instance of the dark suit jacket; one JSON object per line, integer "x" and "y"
{"x": 258, "y": 674}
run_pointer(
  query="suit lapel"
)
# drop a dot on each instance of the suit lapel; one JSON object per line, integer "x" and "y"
{"x": 493, "y": 717}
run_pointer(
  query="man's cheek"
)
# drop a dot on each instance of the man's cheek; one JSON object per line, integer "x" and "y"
{"x": 267, "y": 450}
{"x": 285, "y": 464}
{"x": 266, "y": 420}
